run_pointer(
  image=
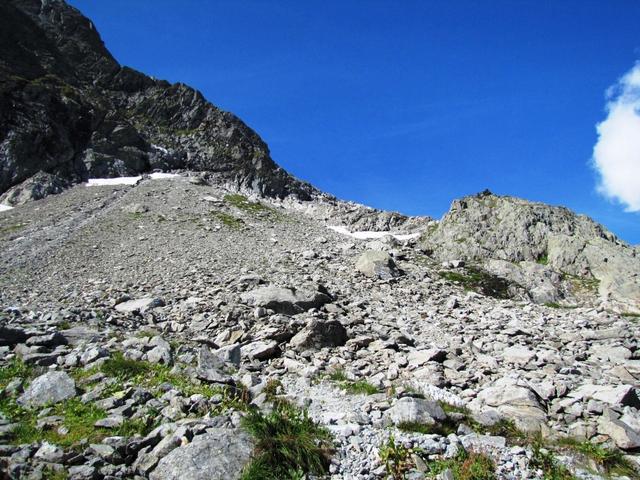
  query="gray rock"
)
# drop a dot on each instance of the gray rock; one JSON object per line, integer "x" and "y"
{"x": 49, "y": 453}
{"x": 285, "y": 300}
{"x": 50, "y": 340}
{"x": 211, "y": 367}
{"x": 50, "y": 388}
{"x": 377, "y": 264}
{"x": 140, "y": 305}
{"x": 262, "y": 350}
{"x": 161, "y": 353}
{"x": 11, "y": 336}
{"x": 621, "y": 433}
{"x": 220, "y": 453}
{"x": 319, "y": 334}
{"x": 418, "y": 410}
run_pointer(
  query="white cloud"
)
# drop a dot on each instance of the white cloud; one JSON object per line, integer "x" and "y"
{"x": 616, "y": 156}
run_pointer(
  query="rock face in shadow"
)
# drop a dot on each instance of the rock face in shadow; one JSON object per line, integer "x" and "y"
{"x": 67, "y": 108}
{"x": 551, "y": 251}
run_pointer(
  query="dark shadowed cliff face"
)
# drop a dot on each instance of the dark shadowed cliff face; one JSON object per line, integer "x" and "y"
{"x": 69, "y": 109}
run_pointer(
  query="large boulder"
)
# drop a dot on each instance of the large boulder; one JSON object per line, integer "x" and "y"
{"x": 377, "y": 264}
{"x": 514, "y": 401}
{"x": 289, "y": 301}
{"x": 218, "y": 454}
{"x": 414, "y": 410}
{"x": 319, "y": 334}
{"x": 47, "y": 389}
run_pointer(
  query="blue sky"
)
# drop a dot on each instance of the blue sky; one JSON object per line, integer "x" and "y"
{"x": 403, "y": 105}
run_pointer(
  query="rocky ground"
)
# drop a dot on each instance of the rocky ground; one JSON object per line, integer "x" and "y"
{"x": 141, "y": 324}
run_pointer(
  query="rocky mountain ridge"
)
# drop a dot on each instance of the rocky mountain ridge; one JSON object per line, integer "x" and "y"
{"x": 68, "y": 109}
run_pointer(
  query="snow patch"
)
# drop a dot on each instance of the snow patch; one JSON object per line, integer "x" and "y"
{"x": 162, "y": 176}
{"x": 95, "y": 182}
{"x": 5, "y": 208}
{"x": 368, "y": 235}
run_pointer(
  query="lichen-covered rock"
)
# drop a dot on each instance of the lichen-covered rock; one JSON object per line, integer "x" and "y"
{"x": 577, "y": 258}
{"x": 285, "y": 300}
{"x": 377, "y": 264}
{"x": 50, "y": 388}
{"x": 221, "y": 453}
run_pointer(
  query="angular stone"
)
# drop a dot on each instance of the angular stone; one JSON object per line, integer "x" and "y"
{"x": 288, "y": 301}
{"x": 319, "y": 334}
{"x": 420, "y": 357}
{"x": 52, "y": 387}
{"x": 619, "y": 395}
{"x": 414, "y": 410}
{"x": 140, "y": 305}
{"x": 10, "y": 336}
{"x": 262, "y": 350}
{"x": 621, "y": 433}
{"x": 221, "y": 453}
{"x": 377, "y": 264}
{"x": 518, "y": 354}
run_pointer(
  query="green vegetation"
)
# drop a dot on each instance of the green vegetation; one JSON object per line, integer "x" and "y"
{"x": 252, "y": 208}
{"x": 15, "y": 368}
{"x": 630, "y": 315}
{"x": 396, "y": 458}
{"x": 227, "y": 220}
{"x": 9, "y": 229}
{"x": 480, "y": 281}
{"x": 543, "y": 259}
{"x": 545, "y": 460}
{"x": 152, "y": 376}
{"x": 354, "y": 387}
{"x": 289, "y": 445}
{"x": 54, "y": 474}
{"x": 610, "y": 461}
{"x": 398, "y": 461}
{"x": 465, "y": 466}
{"x": 243, "y": 203}
{"x": 77, "y": 417}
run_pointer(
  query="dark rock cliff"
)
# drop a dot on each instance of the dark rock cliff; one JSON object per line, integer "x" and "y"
{"x": 67, "y": 108}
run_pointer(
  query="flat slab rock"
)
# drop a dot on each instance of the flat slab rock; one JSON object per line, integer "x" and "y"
{"x": 52, "y": 387}
{"x": 288, "y": 301}
{"x": 139, "y": 305}
{"x": 220, "y": 454}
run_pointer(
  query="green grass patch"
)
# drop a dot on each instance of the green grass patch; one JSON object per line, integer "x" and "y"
{"x": 229, "y": 221}
{"x": 630, "y": 315}
{"x": 479, "y": 281}
{"x": 465, "y": 466}
{"x": 288, "y": 444}
{"x": 544, "y": 460}
{"x": 543, "y": 259}
{"x": 396, "y": 458}
{"x": 9, "y": 229}
{"x": 54, "y": 474}
{"x": 152, "y": 376}
{"x": 15, "y": 368}
{"x": 398, "y": 461}
{"x": 243, "y": 203}
{"x": 354, "y": 387}
{"x": 610, "y": 461}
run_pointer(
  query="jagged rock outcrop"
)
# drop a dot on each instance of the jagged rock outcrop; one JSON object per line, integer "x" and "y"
{"x": 575, "y": 256}
{"x": 67, "y": 108}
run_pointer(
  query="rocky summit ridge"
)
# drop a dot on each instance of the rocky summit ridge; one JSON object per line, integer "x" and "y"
{"x": 225, "y": 320}
{"x": 68, "y": 109}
